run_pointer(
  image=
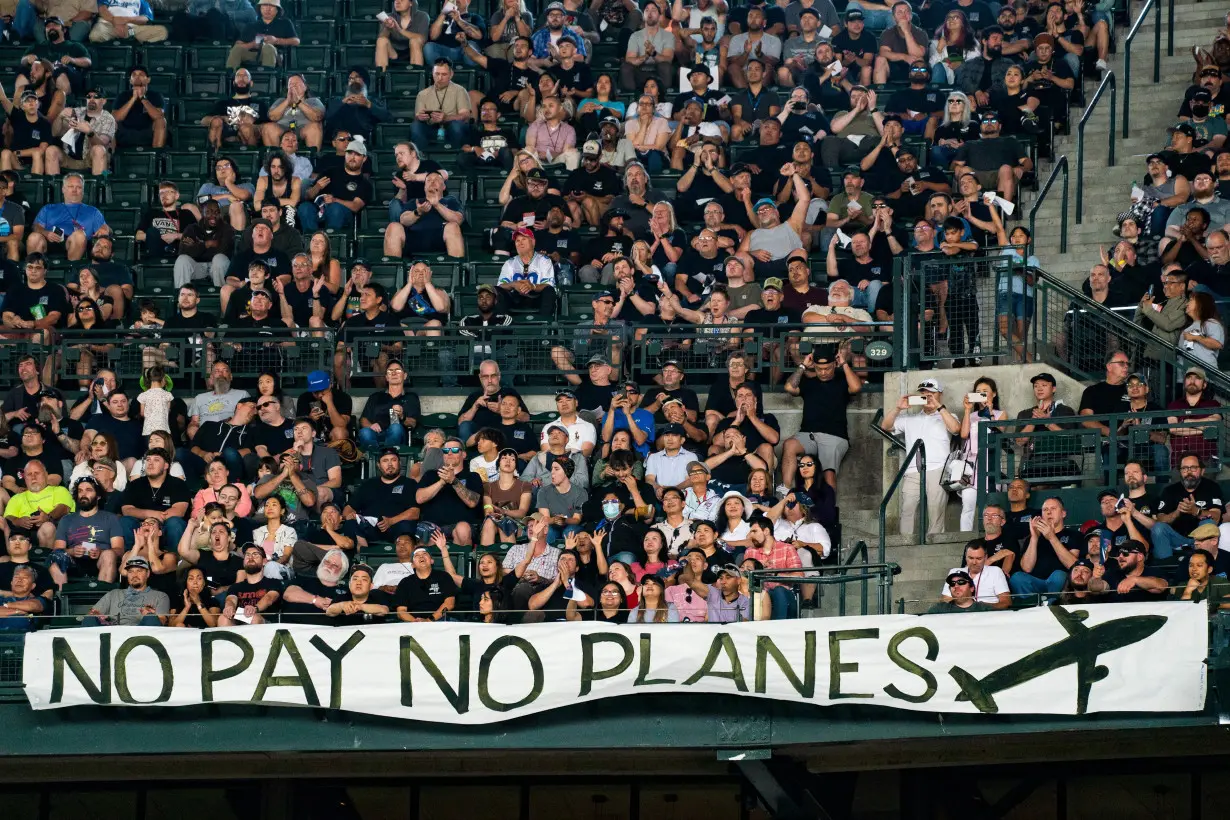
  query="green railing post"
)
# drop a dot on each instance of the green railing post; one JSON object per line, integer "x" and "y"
{"x": 1107, "y": 81}
{"x": 1127, "y": 56}
{"x": 1061, "y": 167}
{"x": 920, "y": 450}
{"x": 1169, "y": 28}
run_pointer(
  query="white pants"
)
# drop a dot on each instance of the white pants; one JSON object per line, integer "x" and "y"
{"x": 937, "y": 501}
{"x": 969, "y": 506}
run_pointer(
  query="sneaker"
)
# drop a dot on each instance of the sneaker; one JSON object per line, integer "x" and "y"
{"x": 1102, "y": 66}
{"x": 782, "y": 491}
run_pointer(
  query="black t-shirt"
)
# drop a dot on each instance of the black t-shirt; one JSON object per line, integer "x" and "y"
{"x": 28, "y": 134}
{"x": 753, "y": 436}
{"x": 592, "y": 396}
{"x": 228, "y": 106}
{"x": 853, "y": 271}
{"x": 485, "y": 417}
{"x": 565, "y": 243}
{"x": 580, "y": 76}
{"x": 1047, "y": 561}
{"x": 824, "y": 407}
{"x": 277, "y": 262}
{"x": 423, "y": 596}
{"x": 138, "y": 119}
{"x": 219, "y": 574}
{"x": 1059, "y": 70}
{"x": 921, "y": 100}
{"x": 280, "y": 27}
{"x": 1207, "y": 496}
{"x": 376, "y": 498}
{"x": 722, "y": 398}
{"x": 865, "y": 44}
{"x": 1105, "y": 398}
{"x": 128, "y": 437}
{"x": 519, "y": 436}
{"x": 1188, "y": 165}
{"x": 504, "y": 76}
{"x": 250, "y": 594}
{"x": 600, "y": 246}
{"x": 50, "y": 458}
{"x": 491, "y": 141}
{"x": 990, "y": 154}
{"x": 379, "y": 404}
{"x": 141, "y": 494}
{"x": 1114, "y": 576}
{"x": 307, "y": 613}
{"x": 301, "y": 304}
{"x": 276, "y": 438}
{"x": 702, "y": 272}
{"x": 156, "y": 221}
{"x": 42, "y": 582}
{"x": 522, "y": 207}
{"x": 600, "y": 183}
{"x": 347, "y": 186}
{"x": 447, "y": 509}
{"x": 27, "y": 303}
{"x": 1219, "y": 106}
{"x": 685, "y": 394}
{"x": 375, "y": 596}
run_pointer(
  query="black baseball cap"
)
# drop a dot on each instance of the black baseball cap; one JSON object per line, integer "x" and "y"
{"x": 1043, "y": 377}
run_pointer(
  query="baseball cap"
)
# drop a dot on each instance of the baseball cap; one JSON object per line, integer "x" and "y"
{"x": 371, "y": 573}
{"x": 554, "y": 6}
{"x": 565, "y": 394}
{"x": 703, "y": 522}
{"x": 1081, "y": 562}
{"x": 609, "y": 121}
{"x": 318, "y": 380}
{"x": 251, "y": 546}
{"x": 598, "y": 358}
{"x": 1043, "y": 377}
{"x": 1182, "y": 128}
{"x": 731, "y": 570}
{"x": 136, "y": 562}
{"x": 592, "y": 148}
{"x": 772, "y": 283}
{"x": 1102, "y": 495}
{"x": 739, "y": 168}
{"x": 812, "y": 12}
{"x": 524, "y": 232}
{"x": 854, "y": 14}
{"x": 1044, "y": 38}
{"x": 958, "y": 573}
{"x": 356, "y": 146}
{"x": 931, "y": 386}
{"x": 487, "y": 287}
{"x": 1202, "y": 94}
{"x": 764, "y": 200}
{"x": 699, "y": 465}
{"x": 389, "y": 451}
{"x": 1197, "y": 372}
{"x": 672, "y": 430}
{"x": 536, "y": 173}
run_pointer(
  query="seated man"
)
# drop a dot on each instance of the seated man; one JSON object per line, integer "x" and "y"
{"x": 260, "y": 41}
{"x": 19, "y": 603}
{"x": 425, "y": 594}
{"x": 431, "y": 224}
{"x": 960, "y": 595}
{"x": 248, "y": 599}
{"x": 442, "y": 110}
{"x": 336, "y": 199}
{"x": 383, "y": 508}
{"x": 35, "y": 512}
{"x": 69, "y": 224}
{"x": 90, "y": 541}
{"x": 997, "y": 162}
{"x": 1049, "y": 554}
{"x": 988, "y": 582}
{"x": 527, "y": 280}
{"x": 134, "y": 605}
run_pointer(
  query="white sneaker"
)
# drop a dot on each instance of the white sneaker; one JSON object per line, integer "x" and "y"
{"x": 782, "y": 491}
{"x": 1102, "y": 66}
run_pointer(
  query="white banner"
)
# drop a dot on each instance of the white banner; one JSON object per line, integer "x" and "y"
{"x": 1102, "y": 658}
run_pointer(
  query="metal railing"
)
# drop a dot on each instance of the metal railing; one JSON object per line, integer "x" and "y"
{"x": 881, "y": 574}
{"x": 1107, "y": 81}
{"x": 1156, "y": 8}
{"x": 1061, "y": 167}
{"x": 918, "y": 449}
{"x": 1078, "y": 453}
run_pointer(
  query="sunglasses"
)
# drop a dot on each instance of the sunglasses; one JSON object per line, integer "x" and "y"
{"x": 265, "y": 405}
{"x": 807, "y": 464}
{"x": 452, "y": 451}
{"x": 960, "y": 582}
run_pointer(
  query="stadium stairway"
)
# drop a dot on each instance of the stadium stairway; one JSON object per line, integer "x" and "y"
{"x": 1153, "y": 109}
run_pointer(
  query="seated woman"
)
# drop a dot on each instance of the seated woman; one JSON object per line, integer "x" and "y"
{"x": 653, "y": 608}
{"x": 194, "y": 608}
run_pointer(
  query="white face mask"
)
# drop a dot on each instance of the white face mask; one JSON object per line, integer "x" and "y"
{"x": 610, "y": 509}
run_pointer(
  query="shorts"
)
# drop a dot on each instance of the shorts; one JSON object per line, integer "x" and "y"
{"x": 989, "y": 180}
{"x": 828, "y": 450}
{"x": 423, "y": 241}
{"x": 1017, "y": 305}
{"x": 73, "y": 567}
{"x": 82, "y": 164}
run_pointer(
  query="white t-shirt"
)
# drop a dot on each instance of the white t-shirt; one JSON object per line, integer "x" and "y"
{"x": 930, "y": 428}
{"x": 580, "y": 433}
{"x": 669, "y": 471}
{"x": 540, "y": 271}
{"x": 988, "y": 584}
{"x": 390, "y": 575}
{"x": 212, "y": 407}
{"x": 809, "y": 532}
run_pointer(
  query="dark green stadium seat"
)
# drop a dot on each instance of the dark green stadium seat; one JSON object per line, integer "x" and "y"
{"x": 122, "y": 219}
{"x": 247, "y": 163}
{"x": 206, "y": 84}
{"x": 186, "y": 165}
{"x": 339, "y": 246}
{"x": 318, "y": 9}
{"x": 165, "y": 84}
{"x": 366, "y": 9}
{"x": 360, "y": 33}
{"x": 445, "y": 421}
{"x": 446, "y": 275}
{"x": 489, "y": 190}
{"x": 401, "y": 109}
{"x": 481, "y": 217}
{"x": 578, "y": 299}
{"x": 369, "y": 245}
{"x": 485, "y": 273}
{"x": 111, "y": 57}
{"x": 311, "y": 57}
{"x": 134, "y": 163}
{"x": 112, "y": 83}
{"x": 56, "y": 186}
{"x": 210, "y": 57}
{"x": 127, "y": 193}
{"x": 163, "y": 58}
{"x": 190, "y": 137}
{"x": 390, "y": 274}
{"x": 155, "y": 278}
{"x": 405, "y": 83}
{"x": 316, "y": 31}
{"x": 123, "y": 248}
{"x": 193, "y": 110}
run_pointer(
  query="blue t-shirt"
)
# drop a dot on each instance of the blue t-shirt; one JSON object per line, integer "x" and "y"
{"x": 644, "y": 420}
{"x": 69, "y": 218}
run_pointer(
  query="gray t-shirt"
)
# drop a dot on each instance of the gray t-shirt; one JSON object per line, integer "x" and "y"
{"x": 768, "y": 46}
{"x": 296, "y": 115}
{"x": 558, "y": 503}
{"x": 662, "y": 41}
{"x": 319, "y": 463}
{"x": 213, "y": 407}
{"x": 779, "y": 240}
{"x": 825, "y": 8}
{"x": 76, "y": 529}
{"x": 12, "y": 213}
{"x": 122, "y": 607}
{"x": 797, "y": 46}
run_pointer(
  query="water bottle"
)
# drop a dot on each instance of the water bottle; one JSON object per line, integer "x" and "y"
{"x": 440, "y": 134}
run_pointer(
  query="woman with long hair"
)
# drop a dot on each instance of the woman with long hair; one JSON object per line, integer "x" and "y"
{"x": 819, "y": 485}
{"x": 515, "y": 184}
{"x": 88, "y": 315}
{"x": 88, "y": 287}
{"x": 654, "y": 559}
{"x": 507, "y": 23}
{"x": 276, "y": 538}
{"x": 958, "y": 127}
{"x": 1204, "y": 338}
{"x": 953, "y": 43}
{"x": 610, "y": 607}
{"x": 269, "y": 383}
{"x": 653, "y": 607}
{"x": 976, "y": 413}
{"x": 324, "y": 267}
{"x": 507, "y": 501}
{"x": 1018, "y": 110}
{"x": 604, "y": 103}
{"x": 197, "y": 610}
{"x": 620, "y": 440}
{"x": 103, "y": 445}
{"x": 159, "y": 439}
{"x": 731, "y": 521}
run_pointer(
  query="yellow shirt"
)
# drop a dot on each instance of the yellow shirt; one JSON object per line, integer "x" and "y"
{"x": 28, "y": 503}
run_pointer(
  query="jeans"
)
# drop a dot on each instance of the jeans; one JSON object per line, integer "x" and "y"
{"x": 866, "y": 299}
{"x": 942, "y": 155}
{"x": 939, "y": 75}
{"x": 27, "y": 24}
{"x": 336, "y": 216}
{"x": 654, "y": 161}
{"x": 875, "y": 18}
{"x": 557, "y": 534}
{"x": 1022, "y": 583}
{"x": 435, "y": 51}
{"x": 172, "y": 530}
{"x": 1166, "y": 541}
{"x": 238, "y": 465}
{"x": 1157, "y": 220}
{"x": 783, "y": 603}
{"x": 424, "y": 133}
{"x": 392, "y": 436}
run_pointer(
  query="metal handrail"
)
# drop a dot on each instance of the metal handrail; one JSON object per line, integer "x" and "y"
{"x": 1156, "y": 7}
{"x": 918, "y": 449}
{"x": 1061, "y": 166}
{"x": 1108, "y": 80}
{"x": 862, "y": 574}
{"x": 889, "y": 438}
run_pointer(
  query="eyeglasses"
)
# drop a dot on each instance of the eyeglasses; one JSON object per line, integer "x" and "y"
{"x": 959, "y": 582}
{"x": 92, "y": 97}
{"x": 266, "y": 405}
{"x": 1120, "y": 362}
{"x": 807, "y": 464}
{"x": 393, "y": 370}
{"x": 340, "y": 138}
{"x": 452, "y": 451}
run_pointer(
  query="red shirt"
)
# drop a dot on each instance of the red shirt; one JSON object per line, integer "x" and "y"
{"x": 780, "y": 556}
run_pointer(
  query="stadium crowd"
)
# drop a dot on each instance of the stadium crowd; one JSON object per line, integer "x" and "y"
{"x": 686, "y": 178}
